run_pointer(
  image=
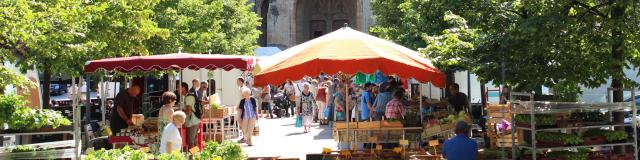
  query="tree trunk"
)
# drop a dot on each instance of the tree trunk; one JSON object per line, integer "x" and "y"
{"x": 617, "y": 15}
{"x": 46, "y": 98}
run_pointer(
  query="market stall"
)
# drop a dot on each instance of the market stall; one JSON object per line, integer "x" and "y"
{"x": 348, "y": 52}
{"x": 145, "y": 132}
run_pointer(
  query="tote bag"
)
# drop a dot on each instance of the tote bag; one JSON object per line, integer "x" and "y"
{"x": 298, "y": 121}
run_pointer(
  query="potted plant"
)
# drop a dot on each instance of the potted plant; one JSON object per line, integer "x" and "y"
{"x": 541, "y": 120}
{"x": 616, "y": 136}
{"x": 550, "y": 139}
{"x": 594, "y": 136}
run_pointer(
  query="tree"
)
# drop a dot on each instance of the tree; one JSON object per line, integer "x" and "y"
{"x": 560, "y": 44}
{"x": 60, "y": 36}
{"x": 222, "y": 26}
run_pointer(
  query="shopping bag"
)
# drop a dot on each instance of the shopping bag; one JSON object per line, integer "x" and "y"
{"x": 298, "y": 121}
{"x": 326, "y": 112}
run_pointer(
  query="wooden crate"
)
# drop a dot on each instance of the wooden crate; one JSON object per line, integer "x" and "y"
{"x": 343, "y": 125}
{"x": 369, "y": 125}
{"x": 214, "y": 113}
{"x": 496, "y": 141}
{"x": 392, "y": 124}
{"x": 432, "y": 130}
{"x": 498, "y": 108}
{"x": 446, "y": 127}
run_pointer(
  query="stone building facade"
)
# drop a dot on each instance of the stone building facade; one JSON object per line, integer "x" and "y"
{"x": 286, "y": 23}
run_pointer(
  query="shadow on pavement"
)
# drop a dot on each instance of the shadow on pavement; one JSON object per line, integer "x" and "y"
{"x": 295, "y": 134}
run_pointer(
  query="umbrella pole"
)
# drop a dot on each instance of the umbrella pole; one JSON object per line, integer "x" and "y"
{"x": 347, "y": 118}
{"x": 420, "y": 100}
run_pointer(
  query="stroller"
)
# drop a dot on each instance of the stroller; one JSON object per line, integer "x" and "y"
{"x": 281, "y": 105}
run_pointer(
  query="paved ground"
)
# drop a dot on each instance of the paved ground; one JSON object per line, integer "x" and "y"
{"x": 278, "y": 137}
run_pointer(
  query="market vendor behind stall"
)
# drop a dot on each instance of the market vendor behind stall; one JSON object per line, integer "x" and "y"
{"x": 126, "y": 104}
{"x": 457, "y": 99}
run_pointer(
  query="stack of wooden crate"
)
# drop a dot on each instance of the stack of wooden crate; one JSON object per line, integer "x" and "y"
{"x": 495, "y": 114}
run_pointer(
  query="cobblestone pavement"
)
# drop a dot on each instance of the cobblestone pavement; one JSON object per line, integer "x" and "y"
{"x": 279, "y": 137}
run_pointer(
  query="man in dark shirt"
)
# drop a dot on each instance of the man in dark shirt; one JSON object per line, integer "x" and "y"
{"x": 456, "y": 99}
{"x": 126, "y": 104}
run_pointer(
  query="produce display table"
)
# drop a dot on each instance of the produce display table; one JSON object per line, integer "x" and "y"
{"x": 362, "y": 135}
{"x": 58, "y": 149}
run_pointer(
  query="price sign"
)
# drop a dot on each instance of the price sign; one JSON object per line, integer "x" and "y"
{"x": 373, "y": 139}
{"x": 379, "y": 147}
{"x": 404, "y": 142}
{"x": 397, "y": 150}
{"x": 434, "y": 143}
{"x": 194, "y": 150}
{"x": 144, "y": 149}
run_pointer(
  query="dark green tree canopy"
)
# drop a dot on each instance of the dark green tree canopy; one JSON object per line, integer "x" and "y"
{"x": 549, "y": 43}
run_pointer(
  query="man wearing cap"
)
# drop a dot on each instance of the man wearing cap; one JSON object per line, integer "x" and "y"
{"x": 460, "y": 147}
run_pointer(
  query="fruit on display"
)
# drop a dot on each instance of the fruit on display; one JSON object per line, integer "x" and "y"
{"x": 454, "y": 118}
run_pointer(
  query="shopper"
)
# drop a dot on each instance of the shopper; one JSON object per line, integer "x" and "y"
{"x": 290, "y": 92}
{"x": 395, "y": 109}
{"x": 248, "y": 116}
{"x": 266, "y": 101}
{"x": 366, "y": 105}
{"x": 321, "y": 100}
{"x": 165, "y": 114}
{"x": 171, "y": 140}
{"x": 195, "y": 86}
{"x": 127, "y": 104}
{"x": 193, "y": 120}
{"x": 380, "y": 103}
{"x": 339, "y": 103}
{"x": 307, "y": 103}
{"x": 460, "y": 147}
{"x": 203, "y": 94}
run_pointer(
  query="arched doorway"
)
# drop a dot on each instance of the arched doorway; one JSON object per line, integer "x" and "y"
{"x": 314, "y": 18}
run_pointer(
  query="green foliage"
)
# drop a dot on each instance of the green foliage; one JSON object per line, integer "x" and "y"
{"x": 590, "y": 116}
{"x": 172, "y": 156}
{"x": 222, "y": 26}
{"x": 568, "y": 155}
{"x": 23, "y": 148}
{"x": 118, "y": 154}
{"x": 559, "y": 44}
{"x": 10, "y": 77}
{"x": 227, "y": 151}
{"x": 568, "y": 139}
{"x": 17, "y": 116}
{"x": 541, "y": 119}
{"x": 8, "y": 105}
{"x": 594, "y": 132}
{"x": 613, "y": 136}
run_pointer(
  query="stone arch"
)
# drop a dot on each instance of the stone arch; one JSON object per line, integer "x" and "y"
{"x": 318, "y": 17}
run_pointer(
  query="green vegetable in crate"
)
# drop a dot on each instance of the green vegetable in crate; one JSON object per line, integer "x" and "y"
{"x": 568, "y": 155}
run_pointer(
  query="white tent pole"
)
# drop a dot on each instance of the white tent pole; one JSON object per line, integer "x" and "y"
{"x": 76, "y": 118}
